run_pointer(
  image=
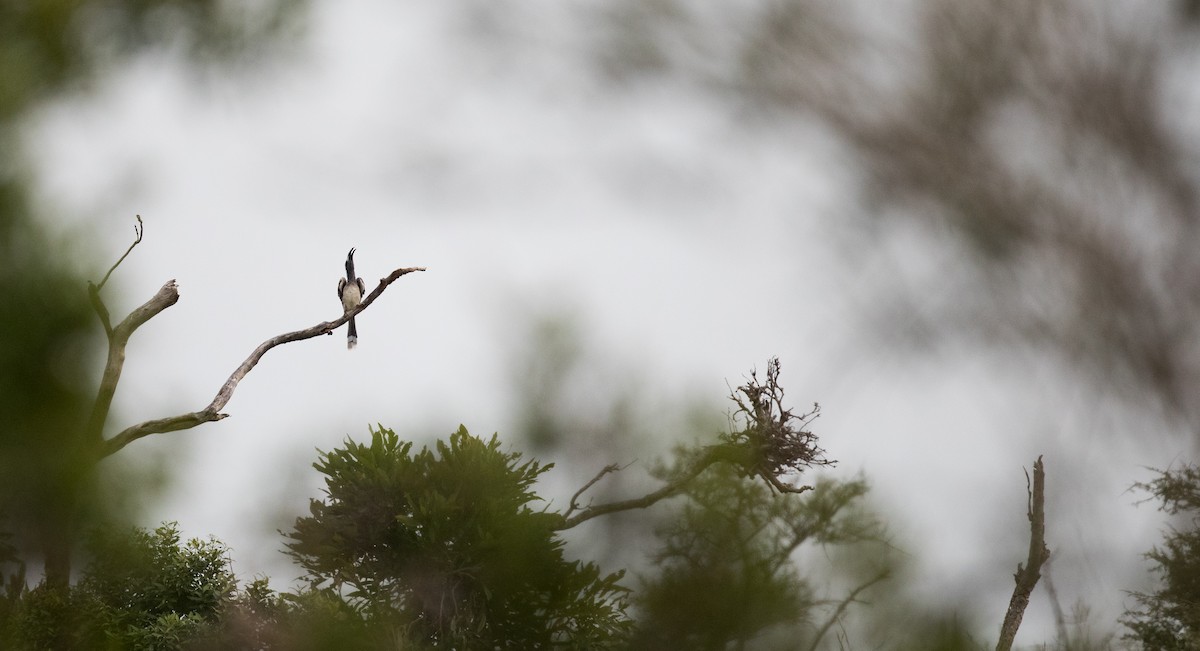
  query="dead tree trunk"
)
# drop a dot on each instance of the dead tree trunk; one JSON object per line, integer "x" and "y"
{"x": 1027, "y": 576}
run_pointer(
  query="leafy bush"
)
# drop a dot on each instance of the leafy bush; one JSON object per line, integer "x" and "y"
{"x": 445, "y": 547}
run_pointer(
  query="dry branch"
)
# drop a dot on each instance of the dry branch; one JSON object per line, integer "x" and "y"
{"x": 573, "y": 505}
{"x": 843, "y": 605}
{"x": 773, "y": 443}
{"x": 213, "y": 411}
{"x": 1027, "y": 576}
{"x": 674, "y": 487}
{"x": 118, "y": 339}
{"x": 139, "y": 229}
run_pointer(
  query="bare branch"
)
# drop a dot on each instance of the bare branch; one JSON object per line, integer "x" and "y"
{"x": 573, "y": 505}
{"x": 138, "y": 229}
{"x": 773, "y": 443}
{"x": 1027, "y": 576}
{"x": 843, "y": 605}
{"x": 118, "y": 338}
{"x": 94, "y": 289}
{"x": 212, "y": 411}
{"x": 715, "y": 454}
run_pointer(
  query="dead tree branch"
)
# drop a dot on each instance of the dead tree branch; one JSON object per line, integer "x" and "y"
{"x": 213, "y": 411}
{"x": 94, "y": 289}
{"x": 118, "y": 339}
{"x": 674, "y": 487}
{"x": 772, "y": 443}
{"x": 843, "y": 605}
{"x": 573, "y": 505}
{"x": 1027, "y": 576}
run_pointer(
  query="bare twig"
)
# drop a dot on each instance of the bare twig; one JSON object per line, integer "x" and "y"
{"x": 138, "y": 229}
{"x": 1027, "y": 576}
{"x": 843, "y": 605}
{"x": 1060, "y": 618}
{"x": 714, "y": 455}
{"x": 213, "y": 411}
{"x": 573, "y": 505}
{"x": 94, "y": 289}
{"x": 117, "y": 338}
{"x": 774, "y": 441}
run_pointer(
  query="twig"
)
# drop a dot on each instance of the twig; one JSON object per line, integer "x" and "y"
{"x": 845, "y": 603}
{"x": 1060, "y": 618}
{"x": 117, "y": 338}
{"x": 714, "y": 455}
{"x": 1027, "y": 576}
{"x": 213, "y": 411}
{"x": 94, "y": 289}
{"x": 573, "y": 505}
{"x": 139, "y": 229}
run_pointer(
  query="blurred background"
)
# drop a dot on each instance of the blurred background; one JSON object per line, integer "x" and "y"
{"x": 968, "y": 230}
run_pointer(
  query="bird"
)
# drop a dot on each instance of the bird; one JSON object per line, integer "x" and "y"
{"x": 351, "y": 290}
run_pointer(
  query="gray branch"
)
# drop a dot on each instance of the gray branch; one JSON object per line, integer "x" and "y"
{"x": 213, "y": 411}
{"x": 1027, "y": 576}
{"x": 714, "y": 455}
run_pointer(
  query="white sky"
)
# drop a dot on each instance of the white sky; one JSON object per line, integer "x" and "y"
{"x": 692, "y": 248}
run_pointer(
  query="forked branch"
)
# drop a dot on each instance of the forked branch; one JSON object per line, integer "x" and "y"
{"x": 843, "y": 605}
{"x": 771, "y": 444}
{"x": 672, "y": 488}
{"x": 118, "y": 337}
{"x": 168, "y": 295}
{"x": 213, "y": 411}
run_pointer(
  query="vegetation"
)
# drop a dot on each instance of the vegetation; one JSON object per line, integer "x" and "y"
{"x": 453, "y": 547}
{"x": 447, "y": 548}
{"x": 1169, "y": 618}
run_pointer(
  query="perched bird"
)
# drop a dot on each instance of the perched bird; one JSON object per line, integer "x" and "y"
{"x": 351, "y": 290}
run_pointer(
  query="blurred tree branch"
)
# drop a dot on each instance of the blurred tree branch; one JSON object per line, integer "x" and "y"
{"x": 772, "y": 443}
{"x": 844, "y": 604}
{"x": 1027, "y": 576}
{"x": 1052, "y": 141}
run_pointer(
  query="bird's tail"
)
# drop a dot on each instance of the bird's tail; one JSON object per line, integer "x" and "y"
{"x": 351, "y": 336}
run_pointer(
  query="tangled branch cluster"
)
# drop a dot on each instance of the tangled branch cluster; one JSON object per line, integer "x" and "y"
{"x": 774, "y": 442}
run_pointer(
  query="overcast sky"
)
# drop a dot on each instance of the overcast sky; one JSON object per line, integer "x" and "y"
{"x": 688, "y": 247}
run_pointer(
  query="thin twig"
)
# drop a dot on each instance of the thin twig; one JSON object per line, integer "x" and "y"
{"x": 139, "y": 229}
{"x": 573, "y": 505}
{"x": 714, "y": 455}
{"x": 94, "y": 289}
{"x": 213, "y": 411}
{"x": 842, "y": 606}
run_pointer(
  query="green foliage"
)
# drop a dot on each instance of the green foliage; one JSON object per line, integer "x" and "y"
{"x": 728, "y": 572}
{"x": 46, "y": 331}
{"x": 444, "y": 546}
{"x": 155, "y": 588}
{"x": 946, "y": 633}
{"x": 48, "y": 44}
{"x": 1169, "y": 619}
{"x": 49, "y": 338}
{"x": 141, "y": 590}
